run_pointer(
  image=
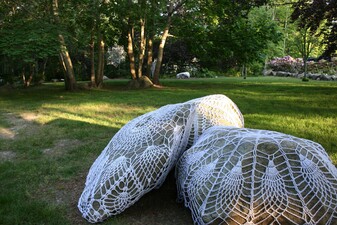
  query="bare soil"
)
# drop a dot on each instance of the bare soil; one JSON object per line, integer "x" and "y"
{"x": 7, "y": 156}
{"x": 158, "y": 207}
{"x": 60, "y": 147}
{"x": 17, "y": 124}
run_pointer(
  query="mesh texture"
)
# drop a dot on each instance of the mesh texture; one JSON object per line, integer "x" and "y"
{"x": 141, "y": 154}
{"x": 257, "y": 177}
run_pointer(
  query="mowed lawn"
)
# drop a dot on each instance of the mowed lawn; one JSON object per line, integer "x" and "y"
{"x": 49, "y": 138}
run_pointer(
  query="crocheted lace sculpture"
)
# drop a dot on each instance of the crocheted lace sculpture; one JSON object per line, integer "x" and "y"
{"x": 254, "y": 177}
{"x": 141, "y": 154}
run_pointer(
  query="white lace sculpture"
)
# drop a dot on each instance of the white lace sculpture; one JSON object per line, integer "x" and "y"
{"x": 254, "y": 177}
{"x": 139, "y": 157}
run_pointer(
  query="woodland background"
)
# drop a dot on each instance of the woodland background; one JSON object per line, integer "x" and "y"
{"x": 74, "y": 40}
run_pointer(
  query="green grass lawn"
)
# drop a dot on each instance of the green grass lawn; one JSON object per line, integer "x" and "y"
{"x": 49, "y": 138}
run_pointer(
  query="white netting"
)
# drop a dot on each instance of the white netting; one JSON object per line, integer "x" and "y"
{"x": 140, "y": 155}
{"x": 254, "y": 177}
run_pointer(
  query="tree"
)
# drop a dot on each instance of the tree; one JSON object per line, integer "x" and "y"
{"x": 27, "y": 44}
{"x": 101, "y": 51}
{"x": 28, "y": 39}
{"x": 93, "y": 27}
{"x": 172, "y": 7}
{"x": 145, "y": 21}
{"x": 292, "y": 33}
{"x": 133, "y": 19}
{"x": 67, "y": 24}
{"x": 67, "y": 65}
{"x": 318, "y": 15}
{"x": 228, "y": 34}
{"x": 280, "y": 13}
{"x": 306, "y": 43}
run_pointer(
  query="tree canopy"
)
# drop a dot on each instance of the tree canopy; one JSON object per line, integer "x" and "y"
{"x": 70, "y": 39}
{"x": 319, "y": 15}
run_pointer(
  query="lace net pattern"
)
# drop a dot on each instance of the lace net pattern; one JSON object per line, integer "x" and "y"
{"x": 141, "y": 154}
{"x": 246, "y": 176}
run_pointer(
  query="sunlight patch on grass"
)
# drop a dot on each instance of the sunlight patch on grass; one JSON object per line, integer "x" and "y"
{"x": 6, "y": 133}
{"x": 109, "y": 115}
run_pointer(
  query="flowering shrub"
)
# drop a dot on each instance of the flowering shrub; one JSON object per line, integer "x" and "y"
{"x": 115, "y": 55}
{"x": 286, "y": 63}
{"x": 289, "y": 64}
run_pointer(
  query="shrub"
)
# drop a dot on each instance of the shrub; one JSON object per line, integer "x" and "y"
{"x": 205, "y": 73}
{"x": 289, "y": 64}
{"x": 305, "y": 79}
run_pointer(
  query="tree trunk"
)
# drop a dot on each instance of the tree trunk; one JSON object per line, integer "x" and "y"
{"x": 149, "y": 56}
{"x": 171, "y": 8}
{"x": 161, "y": 51}
{"x": 31, "y": 74}
{"x": 305, "y": 53}
{"x": 43, "y": 74}
{"x": 24, "y": 79}
{"x": 69, "y": 78}
{"x": 100, "y": 69}
{"x": 151, "y": 25}
{"x": 69, "y": 81}
{"x": 92, "y": 60}
{"x": 244, "y": 71}
{"x": 142, "y": 46}
{"x": 131, "y": 52}
{"x": 23, "y": 75}
{"x": 28, "y": 81}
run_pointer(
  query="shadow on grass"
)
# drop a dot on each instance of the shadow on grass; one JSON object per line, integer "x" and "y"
{"x": 156, "y": 207}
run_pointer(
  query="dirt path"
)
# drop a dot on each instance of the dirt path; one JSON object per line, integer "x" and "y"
{"x": 17, "y": 123}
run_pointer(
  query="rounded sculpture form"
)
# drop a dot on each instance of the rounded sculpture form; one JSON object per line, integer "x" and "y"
{"x": 141, "y": 154}
{"x": 246, "y": 176}
{"x": 183, "y": 75}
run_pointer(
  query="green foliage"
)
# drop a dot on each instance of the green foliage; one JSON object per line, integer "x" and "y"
{"x": 206, "y": 73}
{"x": 305, "y": 79}
{"x": 223, "y": 35}
{"x": 29, "y": 41}
{"x": 230, "y": 35}
{"x": 28, "y": 38}
{"x": 320, "y": 16}
{"x": 292, "y": 39}
{"x": 25, "y": 47}
{"x": 254, "y": 35}
{"x": 255, "y": 69}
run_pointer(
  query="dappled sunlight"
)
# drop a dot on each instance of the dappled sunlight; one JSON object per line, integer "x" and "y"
{"x": 283, "y": 94}
{"x": 292, "y": 122}
{"x": 29, "y": 116}
{"x": 6, "y": 133}
{"x": 104, "y": 114}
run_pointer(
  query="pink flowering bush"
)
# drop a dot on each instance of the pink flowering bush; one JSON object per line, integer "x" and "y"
{"x": 296, "y": 65}
{"x": 286, "y": 63}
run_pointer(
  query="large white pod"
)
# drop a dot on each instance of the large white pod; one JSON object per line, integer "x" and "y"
{"x": 257, "y": 177}
{"x": 139, "y": 157}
